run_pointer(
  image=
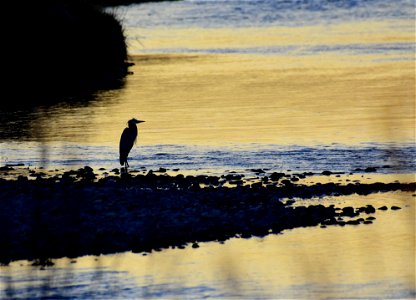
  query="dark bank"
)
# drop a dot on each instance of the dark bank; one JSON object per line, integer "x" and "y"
{"x": 59, "y": 48}
{"x": 77, "y": 213}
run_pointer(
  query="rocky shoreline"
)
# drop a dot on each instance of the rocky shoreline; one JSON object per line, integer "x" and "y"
{"x": 77, "y": 213}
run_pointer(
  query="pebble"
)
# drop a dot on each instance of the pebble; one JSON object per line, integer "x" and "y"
{"x": 276, "y": 176}
{"x": 348, "y": 211}
{"x": 6, "y": 168}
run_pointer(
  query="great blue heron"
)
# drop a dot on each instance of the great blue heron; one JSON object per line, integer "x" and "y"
{"x": 128, "y": 137}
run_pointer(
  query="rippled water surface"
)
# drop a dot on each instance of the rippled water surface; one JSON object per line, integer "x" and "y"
{"x": 240, "y": 85}
{"x": 354, "y": 262}
{"x": 230, "y": 75}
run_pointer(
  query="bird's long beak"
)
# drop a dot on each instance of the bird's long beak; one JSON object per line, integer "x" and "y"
{"x": 139, "y": 121}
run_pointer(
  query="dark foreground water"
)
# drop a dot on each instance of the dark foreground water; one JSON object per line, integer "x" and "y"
{"x": 374, "y": 261}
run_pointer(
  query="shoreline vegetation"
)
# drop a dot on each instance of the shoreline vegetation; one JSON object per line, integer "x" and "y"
{"x": 80, "y": 212}
{"x": 57, "y": 49}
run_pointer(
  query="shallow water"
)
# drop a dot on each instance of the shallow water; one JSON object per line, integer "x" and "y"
{"x": 240, "y": 85}
{"x": 239, "y": 106}
{"x": 245, "y": 159}
{"x": 367, "y": 261}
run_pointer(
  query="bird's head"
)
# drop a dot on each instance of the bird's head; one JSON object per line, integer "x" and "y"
{"x": 134, "y": 121}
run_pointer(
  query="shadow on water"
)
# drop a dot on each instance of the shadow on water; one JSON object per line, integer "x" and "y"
{"x": 31, "y": 122}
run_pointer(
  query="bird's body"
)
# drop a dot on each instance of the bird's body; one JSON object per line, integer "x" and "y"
{"x": 128, "y": 137}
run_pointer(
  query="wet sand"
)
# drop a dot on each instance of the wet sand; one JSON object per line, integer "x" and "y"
{"x": 80, "y": 212}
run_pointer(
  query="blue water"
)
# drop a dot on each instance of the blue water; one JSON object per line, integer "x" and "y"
{"x": 405, "y": 50}
{"x": 104, "y": 283}
{"x": 255, "y": 13}
{"x": 205, "y": 14}
{"x": 242, "y": 158}
{"x": 18, "y": 145}
{"x": 239, "y": 14}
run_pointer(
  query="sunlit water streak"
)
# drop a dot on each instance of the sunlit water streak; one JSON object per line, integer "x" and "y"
{"x": 236, "y": 85}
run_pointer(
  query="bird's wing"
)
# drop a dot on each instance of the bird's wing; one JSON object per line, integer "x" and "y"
{"x": 126, "y": 142}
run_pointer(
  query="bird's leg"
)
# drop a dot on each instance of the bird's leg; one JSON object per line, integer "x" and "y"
{"x": 127, "y": 164}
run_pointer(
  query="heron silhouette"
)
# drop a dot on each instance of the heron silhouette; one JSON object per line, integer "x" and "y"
{"x": 128, "y": 137}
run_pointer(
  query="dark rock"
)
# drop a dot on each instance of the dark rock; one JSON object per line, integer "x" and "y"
{"x": 256, "y": 185}
{"x": 326, "y": 173}
{"x": 308, "y": 173}
{"x": 395, "y": 208}
{"x": 88, "y": 169}
{"x": 233, "y": 177}
{"x": 236, "y": 182}
{"x": 370, "y": 170}
{"x": 286, "y": 182}
{"x": 22, "y": 178}
{"x": 353, "y": 222}
{"x": 276, "y": 176}
{"x": 383, "y": 208}
{"x": 348, "y": 211}
{"x": 369, "y": 209}
{"x": 6, "y": 168}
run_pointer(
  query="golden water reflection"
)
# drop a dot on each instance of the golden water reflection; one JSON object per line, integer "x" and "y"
{"x": 366, "y": 261}
{"x": 347, "y": 83}
{"x": 220, "y": 99}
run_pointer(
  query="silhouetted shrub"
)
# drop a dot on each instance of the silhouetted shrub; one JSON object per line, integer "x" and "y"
{"x": 60, "y": 47}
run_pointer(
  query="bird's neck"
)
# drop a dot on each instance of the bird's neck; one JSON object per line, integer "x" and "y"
{"x": 133, "y": 127}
